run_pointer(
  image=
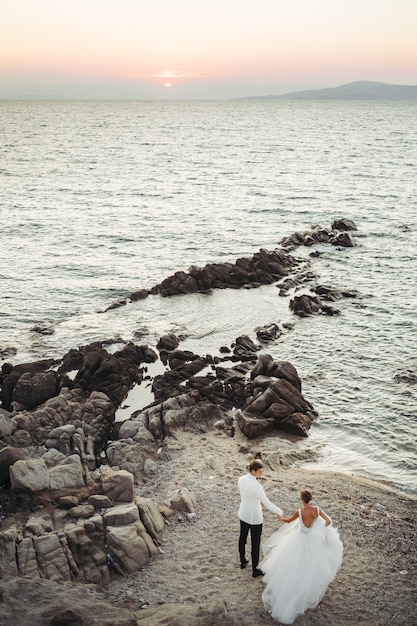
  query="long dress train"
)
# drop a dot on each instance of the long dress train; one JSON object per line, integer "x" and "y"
{"x": 299, "y": 564}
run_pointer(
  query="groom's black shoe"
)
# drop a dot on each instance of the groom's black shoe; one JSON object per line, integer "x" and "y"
{"x": 244, "y": 564}
{"x": 257, "y": 572}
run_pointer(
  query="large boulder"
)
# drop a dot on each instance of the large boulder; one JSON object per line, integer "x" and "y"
{"x": 51, "y": 557}
{"x": 130, "y": 547}
{"x": 344, "y": 224}
{"x": 10, "y": 376}
{"x": 275, "y": 401}
{"x": 118, "y": 485}
{"x": 306, "y": 305}
{"x": 29, "y": 476}
{"x": 32, "y": 389}
{"x": 34, "y": 481}
{"x": 87, "y": 552}
{"x": 150, "y": 517}
{"x": 8, "y": 456}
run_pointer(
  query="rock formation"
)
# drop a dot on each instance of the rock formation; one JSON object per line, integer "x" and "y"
{"x": 70, "y": 475}
{"x": 72, "y": 472}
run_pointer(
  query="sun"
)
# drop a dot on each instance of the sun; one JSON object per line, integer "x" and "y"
{"x": 168, "y": 85}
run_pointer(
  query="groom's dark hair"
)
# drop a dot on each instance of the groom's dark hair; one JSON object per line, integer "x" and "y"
{"x": 254, "y": 465}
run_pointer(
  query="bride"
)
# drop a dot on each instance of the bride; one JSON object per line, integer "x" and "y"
{"x": 300, "y": 562}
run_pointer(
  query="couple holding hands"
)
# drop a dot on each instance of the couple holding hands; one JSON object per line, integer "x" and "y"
{"x": 300, "y": 559}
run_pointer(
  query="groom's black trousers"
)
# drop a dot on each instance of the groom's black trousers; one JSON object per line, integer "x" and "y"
{"x": 255, "y": 537}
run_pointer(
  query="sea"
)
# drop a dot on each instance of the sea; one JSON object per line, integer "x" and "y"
{"x": 102, "y": 198}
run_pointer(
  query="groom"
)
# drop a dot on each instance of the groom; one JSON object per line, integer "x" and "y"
{"x": 250, "y": 514}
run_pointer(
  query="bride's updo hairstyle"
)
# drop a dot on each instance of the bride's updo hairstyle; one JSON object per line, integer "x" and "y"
{"x": 306, "y": 495}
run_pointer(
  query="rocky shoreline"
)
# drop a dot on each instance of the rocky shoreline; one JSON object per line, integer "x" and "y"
{"x": 194, "y": 578}
{"x": 88, "y": 499}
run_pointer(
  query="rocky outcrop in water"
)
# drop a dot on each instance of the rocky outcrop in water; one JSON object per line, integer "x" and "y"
{"x": 264, "y": 268}
{"x": 306, "y": 305}
{"x": 337, "y": 235}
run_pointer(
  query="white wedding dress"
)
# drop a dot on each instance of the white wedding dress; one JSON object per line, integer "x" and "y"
{"x": 299, "y": 564}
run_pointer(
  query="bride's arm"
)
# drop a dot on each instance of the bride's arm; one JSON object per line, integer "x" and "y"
{"x": 287, "y": 520}
{"x": 325, "y": 517}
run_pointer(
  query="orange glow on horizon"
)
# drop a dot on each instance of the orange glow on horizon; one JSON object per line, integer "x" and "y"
{"x": 202, "y": 43}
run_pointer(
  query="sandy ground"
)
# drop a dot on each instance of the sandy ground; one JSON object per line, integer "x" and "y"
{"x": 198, "y": 565}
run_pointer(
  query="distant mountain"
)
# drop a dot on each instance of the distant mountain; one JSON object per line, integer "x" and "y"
{"x": 358, "y": 90}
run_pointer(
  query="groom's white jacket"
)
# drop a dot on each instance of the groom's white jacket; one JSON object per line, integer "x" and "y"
{"x": 252, "y": 494}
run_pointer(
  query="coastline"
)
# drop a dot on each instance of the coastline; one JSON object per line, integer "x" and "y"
{"x": 197, "y": 572}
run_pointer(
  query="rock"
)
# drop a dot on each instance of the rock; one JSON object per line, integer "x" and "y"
{"x": 128, "y": 548}
{"x": 83, "y": 511}
{"x": 11, "y": 375}
{"x": 275, "y": 401}
{"x": 51, "y": 557}
{"x": 8, "y": 456}
{"x": 29, "y": 476}
{"x": 58, "y": 548}
{"x": 8, "y": 564}
{"x": 38, "y": 524}
{"x": 118, "y": 486}
{"x": 268, "y": 333}
{"x": 168, "y": 343}
{"x": 183, "y": 500}
{"x": 110, "y": 374}
{"x": 27, "y": 559}
{"x": 7, "y": 352}
{"x": 87, "y": 553}
{"x": 266, "y": 366}
{"x": 37, "y": 482}
{"x": 150, "y": 517}
{"x": 297, "y": 423}
{"x": 68, "y": 475}
{"x": 130, "y": 455}
{"x": 100, "y": 502}
{"x": 129, "y": 428}
{"x": 307, "y": 305}
{"x": 327, "y": 292}
{"x": 141, "y": 294}
{"x": 343, "y": 239}
{"x": 264, "y": 268}
{"x": 253, "y": 428}
{"x": 121, "y": 515}
{"x": 336, "y": 236}
{"x": 67, "y": 502}
{"x": 7, "y": 424}
{"x": 150, "y": 467}
{"x": 344, "y": 224}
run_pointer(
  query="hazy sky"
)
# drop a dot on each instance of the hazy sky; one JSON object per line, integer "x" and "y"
{"x": 202, "y": 48}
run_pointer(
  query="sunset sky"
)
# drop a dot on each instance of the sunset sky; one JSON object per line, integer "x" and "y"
{"x": 202, "y": 48}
